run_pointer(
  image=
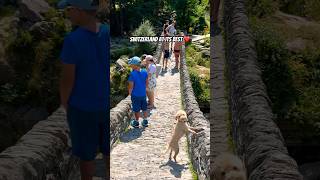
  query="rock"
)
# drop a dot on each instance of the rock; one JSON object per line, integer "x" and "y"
{"x": 297, "y": 45}
{"x": 310, "y": 171}
{"x": 205, "y": 53}
{"x": 41, "y": 29}
{"x": 33, "y": 116}
{"x": 33, "y": 10}
{"x": 120, "y": 63}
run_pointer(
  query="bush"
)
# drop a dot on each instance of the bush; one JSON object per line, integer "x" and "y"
{"x": 145, "y": 29}
{"x": 292, "y": 82}
{"x": 312, "y": 9}
{"x": 306, "y": 8}
{"x": 200, "y": 83}
{"x": 273, "y": 59}
{"x": 115, "y": 54}
{"x": 36, "y": 65}
{"x": 119, "y": 84}
{"x": 201, "y": 87}
{"x": 261, "y": 8}
{"x": 191, "y": 15}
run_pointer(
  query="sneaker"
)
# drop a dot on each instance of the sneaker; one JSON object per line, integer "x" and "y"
{"x": 145, "y": 123}
{"x": 134, "y": 123}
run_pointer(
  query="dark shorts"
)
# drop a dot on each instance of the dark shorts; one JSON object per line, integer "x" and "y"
{"x": 139, "y": 103}
{"x": 89, "y": 132}
{"x": 166, "y": 53}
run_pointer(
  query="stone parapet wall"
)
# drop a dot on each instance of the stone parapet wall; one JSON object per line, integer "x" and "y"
{"x": 199, "y": 145}
{"x": 256, "y": 136}
{"x": 42, "y": 153}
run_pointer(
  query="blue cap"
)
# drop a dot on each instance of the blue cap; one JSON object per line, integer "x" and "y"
{"x": 134, "y": 61}
{"x": 82, "y": 4}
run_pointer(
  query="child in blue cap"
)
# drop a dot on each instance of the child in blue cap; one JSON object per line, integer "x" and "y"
{"x": 84, "y": 85}
{"x": 138, "y": 83}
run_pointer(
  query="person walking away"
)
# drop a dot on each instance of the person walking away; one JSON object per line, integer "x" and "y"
{"x": 172, "y": 31}
{"x": 177, "y": 51}
{"x": 165, "y": 47}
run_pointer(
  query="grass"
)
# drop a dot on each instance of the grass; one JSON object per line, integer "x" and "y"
{"x": 192, "y": 170}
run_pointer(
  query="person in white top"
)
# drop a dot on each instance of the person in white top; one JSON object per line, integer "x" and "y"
{"x": 171, "y": 31}
{"x": 152, "y": 82}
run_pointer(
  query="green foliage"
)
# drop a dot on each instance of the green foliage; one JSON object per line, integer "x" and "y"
{"x": 195, "y": 58}
{"x": 11, "y": 94}
{"x": 312, "y": 9}
{"x": 292, "y": 82}
{"x": 262, "y": 7}
{"x": 306, "y": 8}
{"x": 116, "y": 53}
{"x": 295, "y": 7}
{"x": 273, "y": 58}
{"x": 200, "y": 86}
{"x": 145, "y": 29}
{"x": 6, "y": 11}
{"x": 119, "y": 85}
{"x": 191, "y": 15}
{"x": 35, "y": 62}
{"x": 200, "y": 82}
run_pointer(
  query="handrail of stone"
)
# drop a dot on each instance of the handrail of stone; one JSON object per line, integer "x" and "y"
{"x": 257, "y": 138}
{"x": 199, "y": 145}
{"x": 121, "y": 114}
{"x": 42, "y": 153}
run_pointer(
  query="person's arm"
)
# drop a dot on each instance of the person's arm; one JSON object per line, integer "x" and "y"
{"x": 66, "y": 83}
{"x": 130, "y": 87}
{"x": 147, "y": 81}
{"x": 167, "y": 29}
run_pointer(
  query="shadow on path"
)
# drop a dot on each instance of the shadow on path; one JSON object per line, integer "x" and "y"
{"x": 132, "y": 134}
{"x": 174, "y": 71}
{"x": 176, "y": 168}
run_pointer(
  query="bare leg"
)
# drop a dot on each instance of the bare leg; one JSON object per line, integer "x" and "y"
{"x": 170, "y": 154}
{"x": 87, "y": 170}
{"x": 137, "y": 115}
{"x": 151, "y": 94}
{"x": 145, "y": 114}
{"x": 148, "y": 95}
{"x": 177, "y": 60}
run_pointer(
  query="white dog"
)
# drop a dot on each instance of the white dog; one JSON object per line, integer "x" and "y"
{"x": 180, "y": 130}
{"x": 228, "y": 167}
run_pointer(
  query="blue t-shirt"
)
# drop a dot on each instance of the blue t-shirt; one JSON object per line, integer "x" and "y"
{"x": 90, "y": 52}
{"x": 139, "y": 79}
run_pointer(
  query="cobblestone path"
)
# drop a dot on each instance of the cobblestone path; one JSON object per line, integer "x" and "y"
{"x": 140, "y": 152}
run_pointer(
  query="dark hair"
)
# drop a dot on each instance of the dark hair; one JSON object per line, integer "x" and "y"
{"x": 143, "y": 56}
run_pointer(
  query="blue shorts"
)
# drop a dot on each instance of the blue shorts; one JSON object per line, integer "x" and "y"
{"x": 166, "y": 54}
{"x": 89, "y": 132}
{"x": 139, "y": 103}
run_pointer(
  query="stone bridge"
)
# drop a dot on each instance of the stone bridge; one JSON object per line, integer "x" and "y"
{"x": 241, "y": 121}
